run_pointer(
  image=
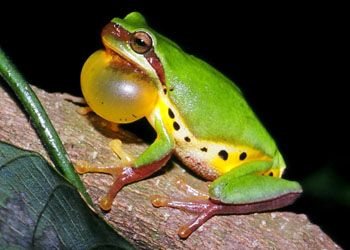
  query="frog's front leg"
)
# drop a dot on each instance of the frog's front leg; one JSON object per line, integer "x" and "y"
{"x": 241, "y": 191}
{"x": 155, "y": 156}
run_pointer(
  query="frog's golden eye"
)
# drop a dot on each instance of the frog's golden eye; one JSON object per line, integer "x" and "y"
{"x": 141, "y": 42}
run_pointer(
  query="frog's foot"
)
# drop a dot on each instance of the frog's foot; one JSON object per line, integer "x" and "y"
{"x": 122, "y": 176}
{"x": 84, "y": 110}
{"x": 110, "y": 125}
{"x": 116, "y": 146}
{"x": 205, "y": 208}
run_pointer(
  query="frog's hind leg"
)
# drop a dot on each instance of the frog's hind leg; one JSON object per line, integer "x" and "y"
{"x": 207, "y": 208}
{"x": 241, "y": 191}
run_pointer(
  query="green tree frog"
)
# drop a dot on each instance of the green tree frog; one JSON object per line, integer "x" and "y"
{"x": 198, "y": 114}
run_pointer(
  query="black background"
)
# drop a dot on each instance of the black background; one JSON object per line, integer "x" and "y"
{"x": 286, "y": 58}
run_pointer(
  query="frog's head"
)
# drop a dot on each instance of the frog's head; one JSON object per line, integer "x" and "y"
{"x": 122, "y": 83}
{"x": 134, "y": 41}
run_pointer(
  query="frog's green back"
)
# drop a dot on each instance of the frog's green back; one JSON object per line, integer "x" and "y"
{"x": 211, "y": 104}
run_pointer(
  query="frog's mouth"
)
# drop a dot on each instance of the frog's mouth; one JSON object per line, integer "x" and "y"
{"x": 121, "y": 62}
{"x": 120, "y": 59}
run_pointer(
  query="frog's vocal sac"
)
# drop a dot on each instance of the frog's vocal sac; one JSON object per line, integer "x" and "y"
{"x": 198, "y": 114}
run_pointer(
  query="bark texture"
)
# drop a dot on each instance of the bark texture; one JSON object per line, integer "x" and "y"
{"x": 86, "y": 139}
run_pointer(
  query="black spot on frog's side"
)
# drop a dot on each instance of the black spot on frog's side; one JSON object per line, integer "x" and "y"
{"x": 171, "y": 114}
{"x": 176, "y": 126}
{"x": 204, "y": 149}
{"x": 223, "y": 155}
{"x": 243, "y": 156}
{"x": 187, "y": 139}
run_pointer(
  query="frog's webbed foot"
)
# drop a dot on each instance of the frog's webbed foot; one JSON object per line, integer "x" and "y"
{"x": 198, "y": 203}
{"x": 205, "y": 209}
{"x": 122, "y": 176}
{"x": 282, "y": 193}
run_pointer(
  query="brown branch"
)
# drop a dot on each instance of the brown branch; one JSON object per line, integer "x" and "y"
{"x": 132, "y": 214}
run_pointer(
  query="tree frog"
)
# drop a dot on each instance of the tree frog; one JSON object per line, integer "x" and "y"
{"x": 198, "y": 114}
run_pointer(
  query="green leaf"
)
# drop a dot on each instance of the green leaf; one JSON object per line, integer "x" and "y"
{"x": 40, "y": 209}
{"x": 41, "y": 122}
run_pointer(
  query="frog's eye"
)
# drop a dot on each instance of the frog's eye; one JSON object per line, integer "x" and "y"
{"x": 141, "y": 42}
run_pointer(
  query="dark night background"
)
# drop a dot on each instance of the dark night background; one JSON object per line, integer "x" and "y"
{"x": 287, "y": 59}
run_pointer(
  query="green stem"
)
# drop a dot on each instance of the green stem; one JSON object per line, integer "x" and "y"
{"x": 41, "y": 122}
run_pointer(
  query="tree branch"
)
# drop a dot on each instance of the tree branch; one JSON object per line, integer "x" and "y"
{"x": 86, "y": 138}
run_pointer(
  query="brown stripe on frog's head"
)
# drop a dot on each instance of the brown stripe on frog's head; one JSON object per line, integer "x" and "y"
{"x": 139, "y": 41}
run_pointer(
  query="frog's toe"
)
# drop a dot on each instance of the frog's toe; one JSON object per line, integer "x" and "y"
{"x": 192, "y": 205}
{"x": 159, "y": 201}
{"x": 82, "y": 167}
{"x": 188, "y": 189}
{"x": 84, "y": 110}
{"x": 107, "y": 201}
{"x": 116, "y": 146}
{"x": 209, "y": 210}
{"x": 204, "y": 208}
{"x": 113, "y": 126}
